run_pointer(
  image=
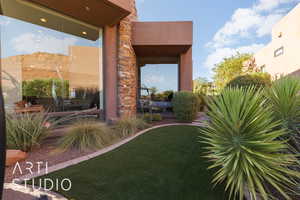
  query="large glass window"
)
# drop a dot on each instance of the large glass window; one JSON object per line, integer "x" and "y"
{"x": 50, "y": 62}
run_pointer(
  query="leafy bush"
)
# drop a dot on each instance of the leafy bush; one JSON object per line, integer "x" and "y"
{"x": 44, "y": 88}
{"x": 27, "y": 130}
{"x": 257, "y": 80}
{"x": 243, "y": 145}
{"x": 185, "y": 106}
{"x": 130, "y": 125}
{"x": 284, "y": 97}
{"x": 86, "y": 135}
{"x": 152, "y": 117}
{"x": 147, "y": 117}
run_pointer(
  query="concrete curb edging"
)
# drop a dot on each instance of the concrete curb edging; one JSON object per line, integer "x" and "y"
{"x": 97, "y": 153}
{"x": 32, "y": 191}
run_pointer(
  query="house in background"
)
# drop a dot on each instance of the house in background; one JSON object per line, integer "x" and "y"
{"x": 85, "y": 45}
{"x": 282, "y": 55}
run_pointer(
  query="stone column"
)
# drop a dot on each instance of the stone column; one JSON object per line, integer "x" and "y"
{"x": 127, "y": 67}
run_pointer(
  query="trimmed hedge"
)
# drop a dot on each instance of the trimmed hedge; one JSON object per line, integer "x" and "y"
{"x": 185, "y": 106}
{"x": 257, "y": 80}
{"x": 155, "y": 117}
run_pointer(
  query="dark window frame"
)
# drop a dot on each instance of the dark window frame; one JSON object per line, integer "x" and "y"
{"x": 278, "y": 52}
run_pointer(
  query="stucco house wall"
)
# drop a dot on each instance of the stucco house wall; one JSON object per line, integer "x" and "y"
{"x": 285, "y": 34}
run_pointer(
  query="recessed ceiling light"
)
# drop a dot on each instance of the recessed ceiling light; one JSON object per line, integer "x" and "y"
{"x": 84, "y": 33}
{"x": 87, "y": 8}
{"x": 43, "y": 20}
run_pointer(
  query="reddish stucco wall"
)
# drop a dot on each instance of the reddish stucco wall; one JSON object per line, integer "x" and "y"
{"x": 127, "y": 67}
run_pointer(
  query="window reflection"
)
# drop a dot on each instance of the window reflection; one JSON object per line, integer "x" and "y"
{"x": 46, "y": 69}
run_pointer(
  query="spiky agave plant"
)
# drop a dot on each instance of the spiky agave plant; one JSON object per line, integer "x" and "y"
{"x": 284, "y": 98}
{"x": 241, "y": 139}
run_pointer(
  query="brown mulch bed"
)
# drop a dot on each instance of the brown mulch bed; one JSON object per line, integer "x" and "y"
{"x": 45, "y": 153}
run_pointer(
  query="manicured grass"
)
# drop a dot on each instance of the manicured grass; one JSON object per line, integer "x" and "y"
{"x": 163, "y": 164}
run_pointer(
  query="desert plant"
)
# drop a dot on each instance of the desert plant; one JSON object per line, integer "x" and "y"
{"x": 86, "y": 135}
{"x": 242, "y": 143}
{"x": 284, "y": 98}
{"x": 185, "y": 106}
{"x": 27, "y": 130}
{"x": 130, "y": 125}
{"x": 257, "y": 80}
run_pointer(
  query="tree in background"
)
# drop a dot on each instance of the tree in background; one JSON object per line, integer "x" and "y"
{"x": 45, "y": 88}
{"x": 230, "y": 68}
{"x": 153, "y": 90}
{"x": 203, "y": 86}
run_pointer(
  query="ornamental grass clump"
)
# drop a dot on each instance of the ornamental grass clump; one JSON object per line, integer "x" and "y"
{"x": 130, "y": 125}
{"x": 26, "y": 131}
{"x": 243, "y": 145}
{"x": 86, "y": 135}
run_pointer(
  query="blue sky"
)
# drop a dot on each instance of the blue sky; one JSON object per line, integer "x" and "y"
{"x": 221, "y": 28}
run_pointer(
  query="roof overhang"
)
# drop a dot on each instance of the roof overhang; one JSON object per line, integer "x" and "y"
{"x": 70, "y": 16}
{"x": 95, "y": 12}
{"x": 162, "y": 39}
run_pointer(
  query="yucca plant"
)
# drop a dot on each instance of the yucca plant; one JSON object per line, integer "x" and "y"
{"x": 86, "y": 135}
{"x": 242, "y": 143}
{"x": 284, "y": 98}
{"x": 130, "y": 125}
{"x": 26, "y": 131}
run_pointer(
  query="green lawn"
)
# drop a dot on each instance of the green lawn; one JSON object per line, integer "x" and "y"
{"x": 163, "y": 164}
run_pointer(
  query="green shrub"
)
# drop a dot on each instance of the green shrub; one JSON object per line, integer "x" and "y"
{"x": 284, "y": 97}
{"x": 185, "y": 106}
{"x": 157, "y": 117}
{"x": 27, "y": 130}
{"x": 86, "y": 135}
{"x": 257, "y": 80}
{"x": 130, "y": 125}
{"x": 243, "y": 145}
{"x": 147, "y": 117}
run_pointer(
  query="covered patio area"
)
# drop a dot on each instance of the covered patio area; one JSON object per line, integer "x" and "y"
{"x": 164, "y": 43}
